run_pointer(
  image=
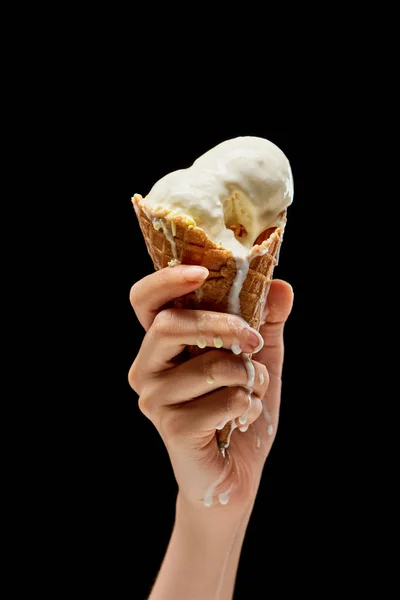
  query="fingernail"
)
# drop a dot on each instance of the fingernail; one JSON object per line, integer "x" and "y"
{"x": 194, "y": 273}
{"x": 252, "y": 338}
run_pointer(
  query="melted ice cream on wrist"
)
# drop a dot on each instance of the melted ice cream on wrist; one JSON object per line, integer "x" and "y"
{"x": 234, "y": 192}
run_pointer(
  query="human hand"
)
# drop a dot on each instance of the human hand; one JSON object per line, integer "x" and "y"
{"x": 187, "y": 400}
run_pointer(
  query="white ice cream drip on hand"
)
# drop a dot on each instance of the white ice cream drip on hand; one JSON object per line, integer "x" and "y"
{"x": 234, "y": 192}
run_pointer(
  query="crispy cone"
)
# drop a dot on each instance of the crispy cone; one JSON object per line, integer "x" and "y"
{"x": 194, "y": 247}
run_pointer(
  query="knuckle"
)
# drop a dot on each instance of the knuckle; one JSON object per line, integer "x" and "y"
{"x": 149, "y": 401}
{"x": 225, "y": 367}
{"x": 173, "y": 424}
{"x": 235, "y": 369}
{"x": 144, "y": 404}
{"x": 240, "y": 399}
{"x": 236, "y": 400}
{"x": 133, "y": 377}
{"x": 234, "y": 324}
{"x": 209, "y": 363}
{"x": 163, "y": 323}
{"x": 134, "y": 294}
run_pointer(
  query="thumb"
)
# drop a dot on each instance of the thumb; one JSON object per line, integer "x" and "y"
{"x": 278, "y": 307}
{"x": 150, "y": 294}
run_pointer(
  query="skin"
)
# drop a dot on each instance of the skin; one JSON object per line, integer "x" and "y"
{"x": 204, "y": 550}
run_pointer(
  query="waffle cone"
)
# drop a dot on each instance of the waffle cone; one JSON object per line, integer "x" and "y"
{"x": 194, "y": 247}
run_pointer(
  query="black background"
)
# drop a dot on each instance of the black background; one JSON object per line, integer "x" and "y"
{"x": 124, "y": 487}
{"x": 100, "y": 121}
{"x": 289, "y": 509}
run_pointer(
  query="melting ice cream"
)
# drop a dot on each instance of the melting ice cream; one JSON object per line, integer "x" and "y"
{"x": 234, "y": 192}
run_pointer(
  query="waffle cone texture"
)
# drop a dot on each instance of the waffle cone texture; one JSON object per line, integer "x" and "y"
{"x": 194, "y": 247}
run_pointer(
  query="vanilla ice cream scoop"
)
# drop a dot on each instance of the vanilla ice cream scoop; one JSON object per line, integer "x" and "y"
{"x": 235, "y": 191}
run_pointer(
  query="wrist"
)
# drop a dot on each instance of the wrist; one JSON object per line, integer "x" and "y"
{"x": 211, "y": 521}
{"x": 203, "y": 553}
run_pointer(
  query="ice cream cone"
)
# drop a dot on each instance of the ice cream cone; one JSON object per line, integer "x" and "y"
{"x": 192, "y": 246}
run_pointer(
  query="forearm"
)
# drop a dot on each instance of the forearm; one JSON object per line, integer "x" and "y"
{"x": 203, "y": 554}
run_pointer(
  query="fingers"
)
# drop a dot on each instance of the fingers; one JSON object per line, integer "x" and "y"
{"x": 193, "y": 420}
{"x": 279, "y": 302}
{"x": 278, "y": 307}
{"x": 151, "y": 293}
{"x": 173, "y": 329}
{"x": 199, "y": 376}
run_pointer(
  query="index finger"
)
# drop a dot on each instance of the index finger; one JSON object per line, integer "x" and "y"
{"x": 151, "y": 293}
